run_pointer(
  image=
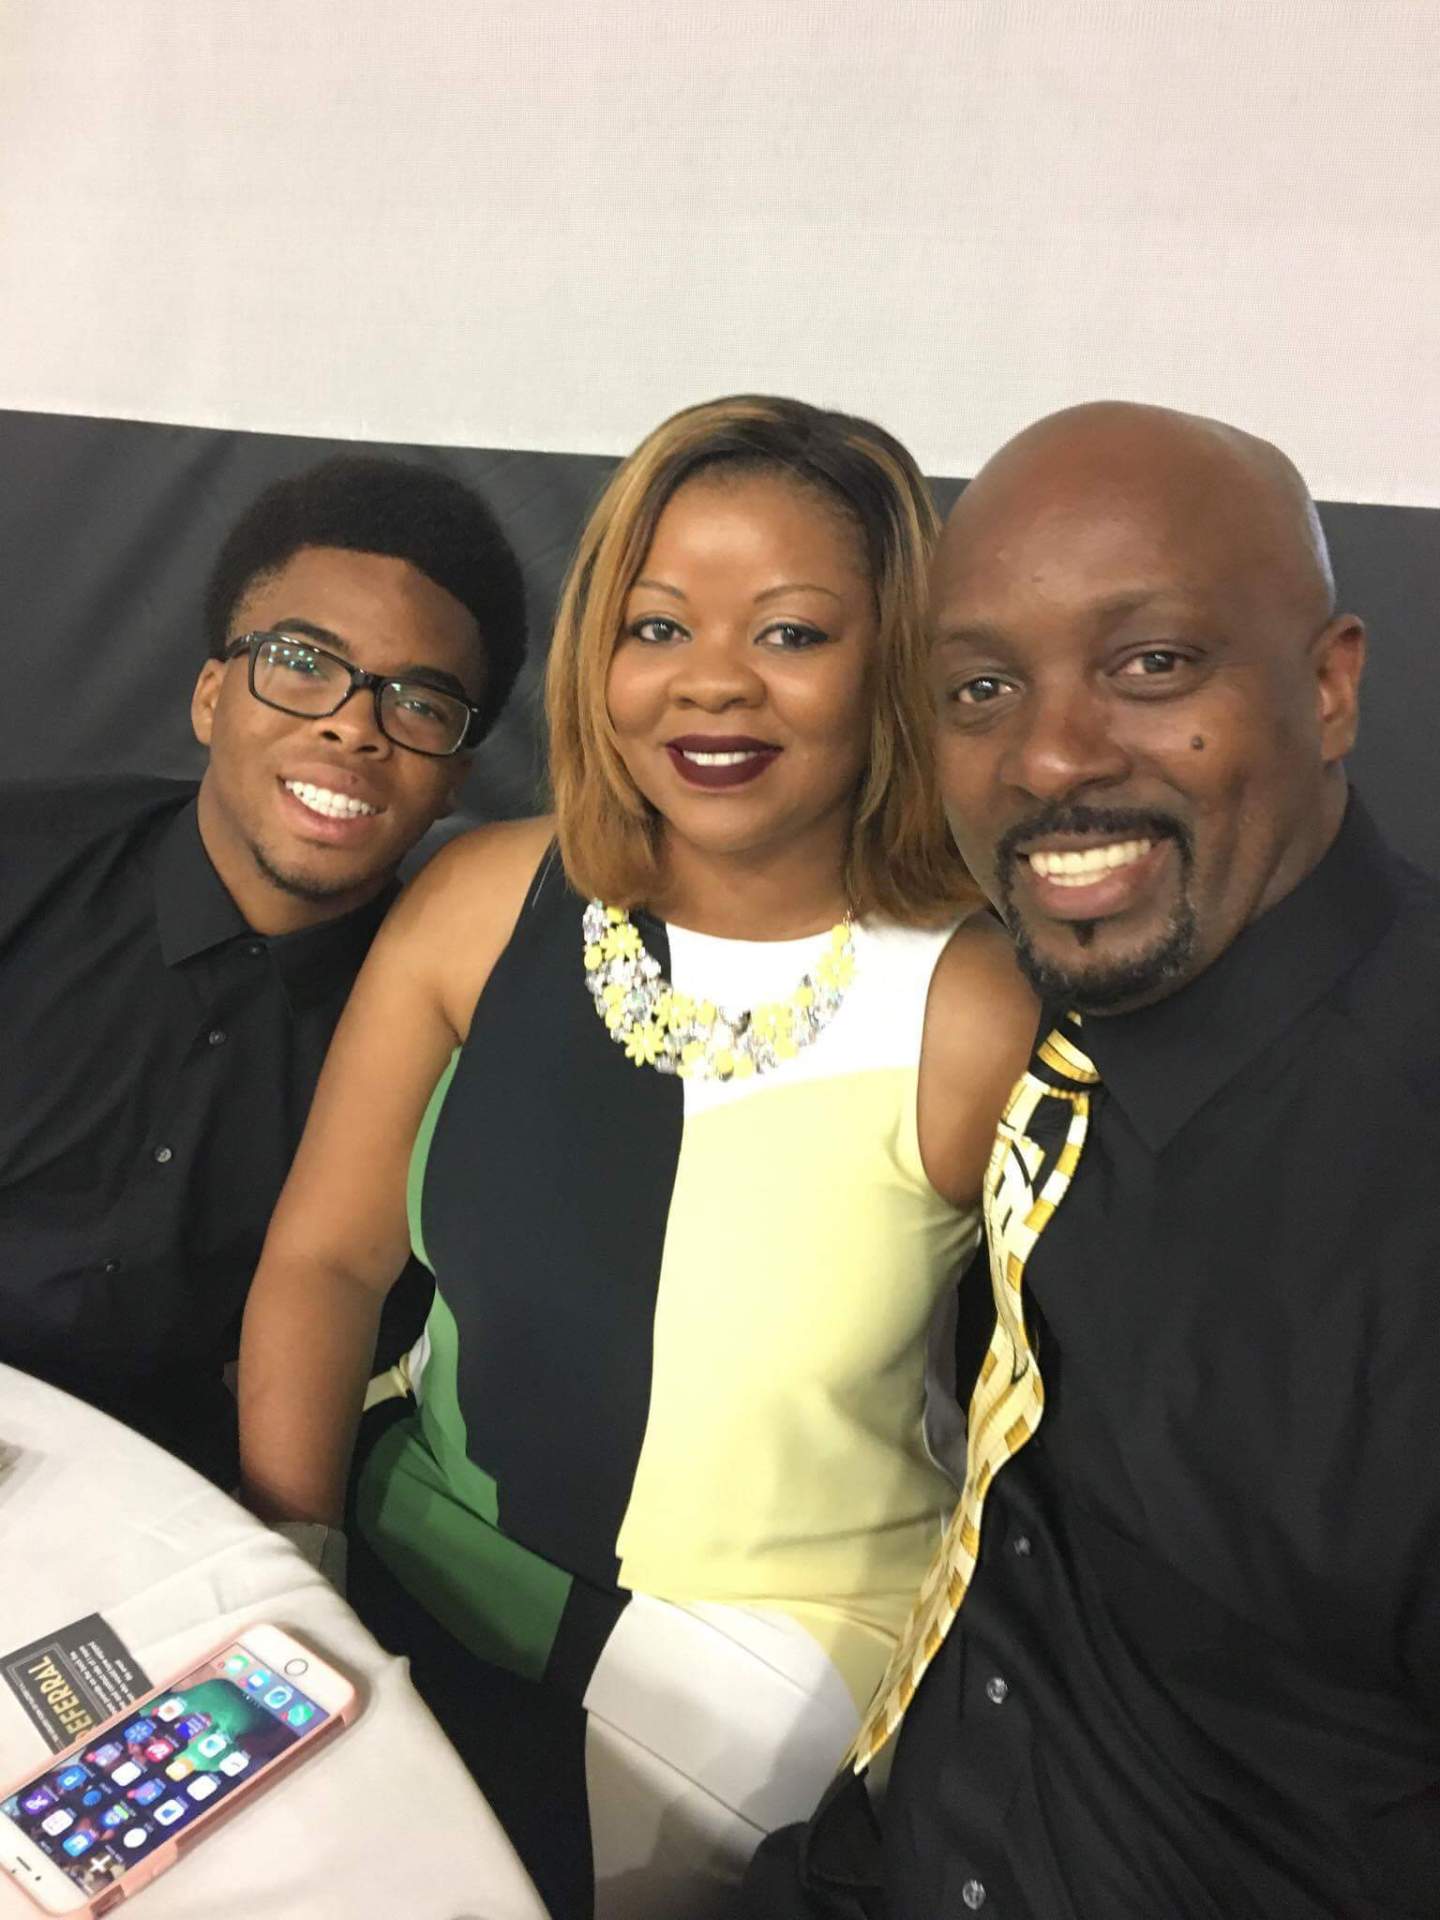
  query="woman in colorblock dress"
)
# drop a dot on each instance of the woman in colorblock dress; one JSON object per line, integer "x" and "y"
{"x": 684, "y": 1094}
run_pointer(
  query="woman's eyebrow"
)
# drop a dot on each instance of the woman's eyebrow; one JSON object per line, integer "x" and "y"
{"x": 794, "y": 586}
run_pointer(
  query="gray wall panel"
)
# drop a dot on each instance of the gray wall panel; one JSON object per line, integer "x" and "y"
{"x": 108, "y": 528}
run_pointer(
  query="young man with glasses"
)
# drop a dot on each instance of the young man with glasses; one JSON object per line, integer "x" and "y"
{"x": 173, "y": 960}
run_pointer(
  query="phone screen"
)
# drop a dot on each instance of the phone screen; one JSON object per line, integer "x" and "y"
{"x": 151, "y": 1775}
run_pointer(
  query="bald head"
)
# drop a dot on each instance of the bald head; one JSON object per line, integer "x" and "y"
{"x": 1145, "y": 693}
{"x": 1236, "y": 498}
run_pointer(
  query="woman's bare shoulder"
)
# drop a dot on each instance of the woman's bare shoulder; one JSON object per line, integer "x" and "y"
{"x": 980, "y": 1026}
{"x": 981, "y": 1021}
{"x": 456, "y": 916}
{"x": 486, "y": 860}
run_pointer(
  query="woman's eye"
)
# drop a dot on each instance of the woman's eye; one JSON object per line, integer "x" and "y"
{"x": 791, "y": 636}
{"x": 656, "y": 631}
{"x": 980, "y": 691}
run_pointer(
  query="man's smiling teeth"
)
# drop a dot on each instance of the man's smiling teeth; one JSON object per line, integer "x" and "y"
{"x": 1084, "y": 867}
{"x": 334, "y": 806}
{"x": 718, "y": 759}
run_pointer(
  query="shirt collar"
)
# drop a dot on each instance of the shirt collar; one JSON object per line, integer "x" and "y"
{"x": 195, "y": 914}
{"x": 192, "y": 908}
{"x": 1164, "y": 1062}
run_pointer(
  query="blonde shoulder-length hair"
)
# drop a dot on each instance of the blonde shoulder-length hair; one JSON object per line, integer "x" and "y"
{"x": 902, "y": 864}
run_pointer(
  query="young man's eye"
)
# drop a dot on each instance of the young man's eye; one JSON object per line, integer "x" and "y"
{"x": 419, "y": 707}
{"x": 292, "y": 656}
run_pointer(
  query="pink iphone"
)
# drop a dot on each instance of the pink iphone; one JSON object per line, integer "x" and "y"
{"x": 108, "y": 1815}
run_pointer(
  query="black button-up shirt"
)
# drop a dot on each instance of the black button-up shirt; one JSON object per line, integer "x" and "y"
{"x": 157, "y": 1060}
{"x": 1197, "y": 1673}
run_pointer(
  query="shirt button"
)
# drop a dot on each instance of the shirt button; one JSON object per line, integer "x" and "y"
{"x": 996, "y": 1690}
{"x": 217, "y": 1036}
{"x": 1022, "y": 1544}
{"x": 973, "y": 1894}
{"x": 255, "y": 949}
{"x": 164, "y": 1156}
{"x": 112, "y": 1266}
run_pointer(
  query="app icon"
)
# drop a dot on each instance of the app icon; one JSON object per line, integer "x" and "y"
{"x": 71, "y": 1777}
{"x": 186, "y": 1729}
{"x": 212, "y": 1744}
{"x": 38, "y": 1799}
{"x": 300, "y": 1714}
{"x": 277, "y": 1696}
{"x": 202, "y": 1786}
{"x": 169, "y": 1811}
{"x": 159, "y": 1748}
{"x": 235, "y": 1762}
{"x": 137, "y": 1731}
{"x": 237, "y": 1663}
{"x": 107, "y": 1755}
{"x": 125, "y": 1773}
{"x": 115, "y": 1816}
{"x": 92, "y": 1797}
{"x": 170, "y": 1709}
{"x": 78, "y": 1843}
{"x": 57, "y": 1822}
{"x": 147, "y": 1791}
{"x": 180, "y": 1769}
{"x": 136, "y": 1836}
{"x": 258, "y": 1680}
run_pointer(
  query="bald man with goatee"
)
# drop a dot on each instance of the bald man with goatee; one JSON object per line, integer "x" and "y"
{"x": 1179, "y": 1658}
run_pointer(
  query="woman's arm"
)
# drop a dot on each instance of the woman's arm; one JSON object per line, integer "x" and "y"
{"x": 980, "y": 1026}
{"x": 339, "y": 1236}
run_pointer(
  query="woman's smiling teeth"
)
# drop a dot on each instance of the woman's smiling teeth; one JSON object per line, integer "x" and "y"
{"x": 719, "y": 759}
{"x": 1083, "y": 867}
{"x": 330, "y": 805}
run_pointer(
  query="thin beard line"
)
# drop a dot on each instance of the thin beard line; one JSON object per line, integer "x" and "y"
{"x": 1124, "y": 983}
{"x": 315, "y": 895}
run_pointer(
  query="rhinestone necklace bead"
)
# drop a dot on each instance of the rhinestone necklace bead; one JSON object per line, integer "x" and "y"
{"x": 678, "y": 1033}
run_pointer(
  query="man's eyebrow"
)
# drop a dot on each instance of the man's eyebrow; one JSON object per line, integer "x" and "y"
{"x": 309, "y": 631}
{"x": 971, "y": 634}
{"x": 1119, "y": 606}
{"x": 1104, "y": 614}
{"x": 440, "y": 678}
{"x": 437, "y": 677}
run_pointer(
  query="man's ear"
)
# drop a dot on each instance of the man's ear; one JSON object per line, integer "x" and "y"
{"x": 1338, "y": 658}
{"x": 204, "y": 698}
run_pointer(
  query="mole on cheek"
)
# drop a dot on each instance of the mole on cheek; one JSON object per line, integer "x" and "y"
{"x": 1198, "y": 743}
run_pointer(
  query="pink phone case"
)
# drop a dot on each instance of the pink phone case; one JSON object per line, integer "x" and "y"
{"x": 165, "y": 1855}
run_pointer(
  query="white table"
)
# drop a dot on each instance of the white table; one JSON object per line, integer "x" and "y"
{"x": 385, "y": 1822}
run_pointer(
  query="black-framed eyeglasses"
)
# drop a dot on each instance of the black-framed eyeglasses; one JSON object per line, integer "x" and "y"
{"x": 297, "y": 677}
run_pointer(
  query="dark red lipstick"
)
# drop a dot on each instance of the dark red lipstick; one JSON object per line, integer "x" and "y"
{"x": 720, "y": 760}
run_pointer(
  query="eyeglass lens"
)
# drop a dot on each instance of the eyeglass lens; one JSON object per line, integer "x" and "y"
{"x": 304, "y": 680}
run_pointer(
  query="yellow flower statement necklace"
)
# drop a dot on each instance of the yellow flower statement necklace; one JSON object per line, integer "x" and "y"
{"x": 676, "y": 1033}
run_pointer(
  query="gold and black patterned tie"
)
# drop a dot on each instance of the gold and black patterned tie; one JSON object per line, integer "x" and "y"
{"x": 1037, "y": 1149}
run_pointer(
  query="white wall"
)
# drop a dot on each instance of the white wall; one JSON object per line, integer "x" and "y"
{"x": 546, "y": 223}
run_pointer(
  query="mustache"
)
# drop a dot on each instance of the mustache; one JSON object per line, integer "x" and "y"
{"x": 1118, "y": 823}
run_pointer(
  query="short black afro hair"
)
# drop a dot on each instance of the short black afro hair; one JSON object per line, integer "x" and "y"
{"x": 367, "y": 504}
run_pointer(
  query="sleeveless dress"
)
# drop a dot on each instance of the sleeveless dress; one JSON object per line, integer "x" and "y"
{"x": 668, "y": 1451}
